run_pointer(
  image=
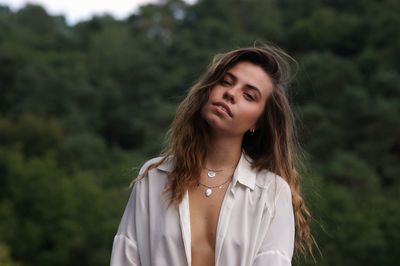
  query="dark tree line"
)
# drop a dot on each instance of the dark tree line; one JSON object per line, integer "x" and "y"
{"x": 82, "y": 106}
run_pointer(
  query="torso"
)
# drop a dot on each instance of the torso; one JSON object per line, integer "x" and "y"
{"x": 204, "y": 215}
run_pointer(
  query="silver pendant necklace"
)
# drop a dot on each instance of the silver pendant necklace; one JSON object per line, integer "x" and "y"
{"x": 212, "y": 173}
{"x": 209, "y": 189}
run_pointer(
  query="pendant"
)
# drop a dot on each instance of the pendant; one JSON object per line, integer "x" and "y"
{"x": 208, "y": 192}
{"x": 211, "y": 173}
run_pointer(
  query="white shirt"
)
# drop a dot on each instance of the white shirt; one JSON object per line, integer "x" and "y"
{"x": 255, "y": 226}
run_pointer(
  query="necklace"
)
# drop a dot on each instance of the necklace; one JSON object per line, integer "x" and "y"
{"x": 209, "y": 189}
{"x": 212, "y": 173}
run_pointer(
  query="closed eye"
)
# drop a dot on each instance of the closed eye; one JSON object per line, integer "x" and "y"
{"x": 225, "y": 83}
{"x": 248, "y": 96}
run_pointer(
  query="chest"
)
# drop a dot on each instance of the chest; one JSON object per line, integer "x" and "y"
{"x": 204, "y": 214}
{"x": 225, "y": 227}
{"x": 204, "y": 209}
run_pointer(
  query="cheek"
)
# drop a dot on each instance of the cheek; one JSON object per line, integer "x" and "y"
{"x": 253, "y": 115}
{"x": 217, "y": 91}
{"x": 254, "y": 118}
{"x": 250, "y": 119}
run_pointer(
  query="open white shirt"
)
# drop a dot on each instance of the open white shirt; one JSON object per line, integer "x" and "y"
{"x": 255, "y": 226}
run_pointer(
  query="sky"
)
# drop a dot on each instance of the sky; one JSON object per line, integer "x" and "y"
{"x": 77, "y": 10}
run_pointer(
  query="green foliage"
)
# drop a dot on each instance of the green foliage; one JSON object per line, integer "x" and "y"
{"x": 34, "y": 134}
{"x": 5, "y": 259}
{"x": 82, "y": 106}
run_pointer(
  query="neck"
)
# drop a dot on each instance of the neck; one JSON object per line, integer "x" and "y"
{"x": 223, "y": 153}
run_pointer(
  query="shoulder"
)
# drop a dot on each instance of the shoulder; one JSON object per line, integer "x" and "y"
{"x": 155, "y": 167}
{"x": 152, "y": 178}
{"x": 269, "y": 180}
{"x": 149, "y": 163}
{"x": 275, "y": 188}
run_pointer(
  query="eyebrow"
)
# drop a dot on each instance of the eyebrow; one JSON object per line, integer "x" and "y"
{"x": 232, "y": 76}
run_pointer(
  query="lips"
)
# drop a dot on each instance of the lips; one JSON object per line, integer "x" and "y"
{"x": 224, "y": 107}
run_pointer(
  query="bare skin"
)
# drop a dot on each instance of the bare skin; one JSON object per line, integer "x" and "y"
{"x": 233, "y": 108}
{"x": 204, "y": 211}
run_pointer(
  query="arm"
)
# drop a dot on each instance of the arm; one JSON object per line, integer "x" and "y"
{"x": 278, "y": 244}
{"x": 125, "y": 251}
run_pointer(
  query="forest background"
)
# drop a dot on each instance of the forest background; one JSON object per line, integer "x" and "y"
{"x": 83, "y": 106}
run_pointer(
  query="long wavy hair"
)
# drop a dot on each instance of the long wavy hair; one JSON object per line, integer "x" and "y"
{"x": 273, "y": 146}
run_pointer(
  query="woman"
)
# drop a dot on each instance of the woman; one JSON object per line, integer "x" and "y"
{"x": 226, "y": 190}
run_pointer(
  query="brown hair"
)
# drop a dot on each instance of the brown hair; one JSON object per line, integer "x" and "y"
{"x": 272, "y": 146}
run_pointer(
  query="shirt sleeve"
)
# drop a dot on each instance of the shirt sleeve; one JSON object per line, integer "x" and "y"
{"x": 278, "y": 244}
{"x": 125, "y": 250}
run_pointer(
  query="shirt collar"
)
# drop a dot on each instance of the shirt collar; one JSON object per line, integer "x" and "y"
{"x": 244, "y": 174}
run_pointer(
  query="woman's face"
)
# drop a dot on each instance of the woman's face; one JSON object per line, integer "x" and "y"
{"x": 237, "y": 101}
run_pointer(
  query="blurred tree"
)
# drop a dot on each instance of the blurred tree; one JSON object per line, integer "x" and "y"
{"x": 5, "y": 259}
{"x": 35, "y": 135}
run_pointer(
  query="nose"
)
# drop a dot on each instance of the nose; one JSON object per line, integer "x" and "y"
{"x": 230, "y": 95}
